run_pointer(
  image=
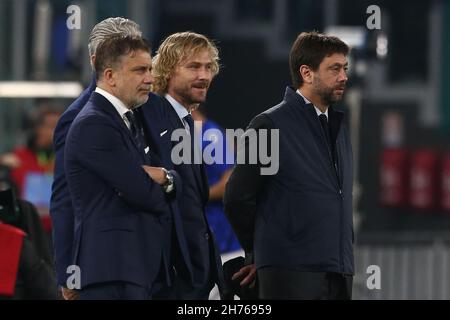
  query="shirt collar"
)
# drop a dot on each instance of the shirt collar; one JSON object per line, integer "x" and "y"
{"x": 118, "y": 105}
{"x": 317, "y": 109}
{"x": 178, "y": 107}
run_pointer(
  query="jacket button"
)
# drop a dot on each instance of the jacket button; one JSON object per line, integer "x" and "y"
{"x": 207, "y": 236}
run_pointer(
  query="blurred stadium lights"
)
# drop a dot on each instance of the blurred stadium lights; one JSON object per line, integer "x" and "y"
{"x": 354, "y": 37}
{"x": 382, "y": 46}
{"x": 39, "y": 89}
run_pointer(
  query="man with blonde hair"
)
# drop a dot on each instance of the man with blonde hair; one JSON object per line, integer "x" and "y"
{"x": 183, "y": 70}
{"x": 174, "y": 53}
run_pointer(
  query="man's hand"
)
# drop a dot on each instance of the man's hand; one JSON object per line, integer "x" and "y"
{"x": 248, "y": 273}
{"x": 69, "y": 294}
{"x": 157, "y": 174}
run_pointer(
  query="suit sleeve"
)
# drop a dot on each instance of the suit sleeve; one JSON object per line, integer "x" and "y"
{"x": 243, "y": 188}
{"x": 99, "y": 147}
{"x": 61, "y": 210}
{"x": 178, "y": 186}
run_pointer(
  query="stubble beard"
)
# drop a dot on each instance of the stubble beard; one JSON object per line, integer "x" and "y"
{"x": 326, "y": 94}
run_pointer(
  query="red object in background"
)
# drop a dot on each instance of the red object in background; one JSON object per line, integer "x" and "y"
{"x": 445, "y": 182}
{"x": 11, "y": 240}
{"x": 46, "y": 223}
{"x": 28, "y": 163}
{"x": 424, "y": 183}
{"x": 394, "y": 177}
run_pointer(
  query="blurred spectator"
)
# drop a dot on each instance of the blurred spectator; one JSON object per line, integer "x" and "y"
{"x": 218, "y": 174}
{"x": 25, "y": 271}
{"x": 23, "y": 215}
{"x": 37, "y": 155}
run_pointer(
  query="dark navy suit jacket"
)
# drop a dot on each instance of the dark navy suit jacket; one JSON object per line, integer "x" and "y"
{"x": 301, "y": 217}
{"x": 61, "y": 210}
{"x": 121, "y": 215}
{"x": 206, "y": 262}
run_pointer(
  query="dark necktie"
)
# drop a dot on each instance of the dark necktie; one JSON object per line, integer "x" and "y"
{"x": 326, "y": 130}
{"x": 194, "y": 147}
{"x": 324, "y": 122}
{"x": 136, "y": 130}
{"x": 190, "y": 121}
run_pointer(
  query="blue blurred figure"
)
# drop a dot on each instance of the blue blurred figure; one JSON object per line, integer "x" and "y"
{"x": 218, "y": 174}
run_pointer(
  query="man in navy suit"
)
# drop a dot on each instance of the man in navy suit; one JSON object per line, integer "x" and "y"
{"x": 183, "y": 69}
{"x": 122, "y": 238}
{"x": 297, "y": 222}
{"x": 61, "y": 209}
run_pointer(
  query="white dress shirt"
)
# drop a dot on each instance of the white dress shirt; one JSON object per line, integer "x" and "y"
{"x": 180, "y": 110}
{"x": 118, "y": 105}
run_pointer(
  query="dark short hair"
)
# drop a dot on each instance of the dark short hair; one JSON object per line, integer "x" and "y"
{"x": 110, "y": 52}
{"x": 310, "y": 48}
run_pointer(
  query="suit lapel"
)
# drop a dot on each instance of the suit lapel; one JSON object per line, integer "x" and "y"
{"x": 150, "y": 135}
{"x": 158, "y": 132}
{"x": 198, "y": 169}
{"x": 109, "y": 109}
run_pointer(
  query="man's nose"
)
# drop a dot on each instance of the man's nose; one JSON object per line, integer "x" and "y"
{"x": 149, "y": 78}
{"x": 204, "y": 74}
{"x": 343, "y": 76}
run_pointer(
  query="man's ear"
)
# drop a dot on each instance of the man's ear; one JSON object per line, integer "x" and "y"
{"x": 306, "y": 73}
{"x": 109, "y": 77}
{"x": 93, "y": 61}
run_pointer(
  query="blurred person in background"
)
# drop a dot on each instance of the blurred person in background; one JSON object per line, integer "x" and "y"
{"x": 297, "y": 223}
{"x": 61, "y": 209}
{"x": 217, "y": 174}
{"x": 25, "y": 264}
{"x": 37, "y": 156}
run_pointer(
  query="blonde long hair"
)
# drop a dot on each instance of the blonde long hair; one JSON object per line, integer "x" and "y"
{"x": 174, "y": 49}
